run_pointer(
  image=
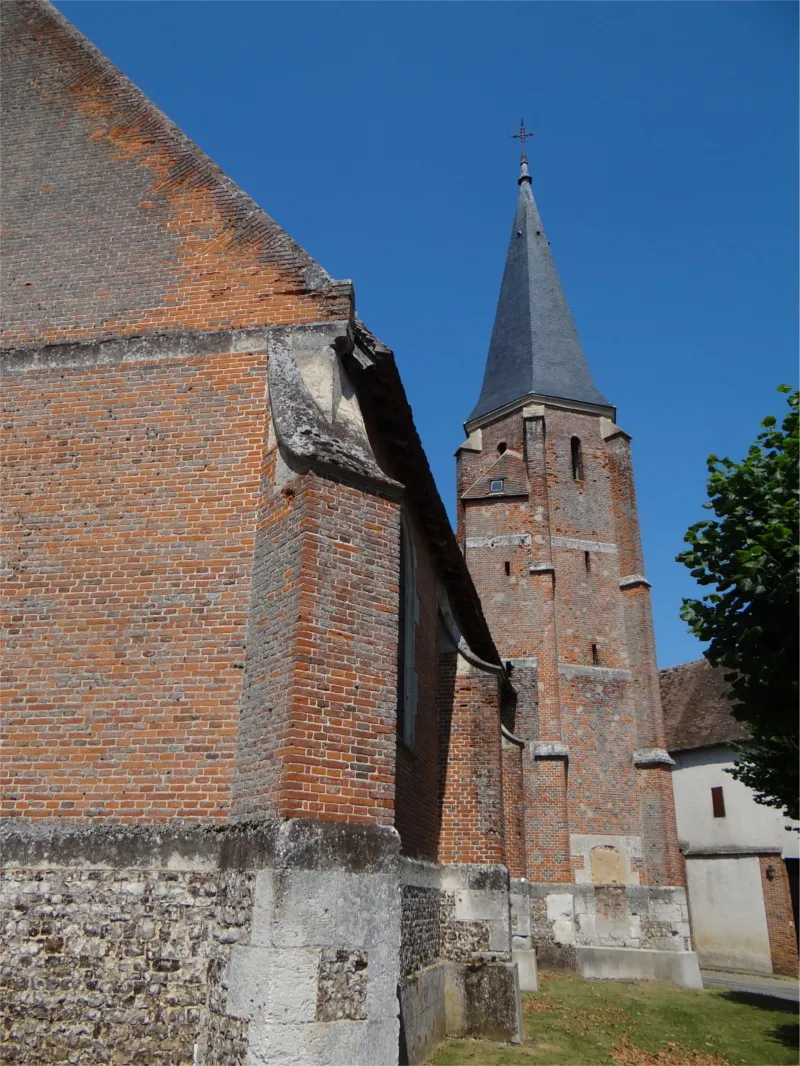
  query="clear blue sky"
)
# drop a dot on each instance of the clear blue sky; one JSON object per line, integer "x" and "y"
{"x": 664, "y": 163}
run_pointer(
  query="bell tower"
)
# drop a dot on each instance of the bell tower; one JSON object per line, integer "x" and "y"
{"x": 548, "y": 523}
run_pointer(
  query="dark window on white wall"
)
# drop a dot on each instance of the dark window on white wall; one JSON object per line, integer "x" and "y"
{"x": 576, "y": 452}
{"x": 407, "y": 639}
{"x": 718, "y": 802}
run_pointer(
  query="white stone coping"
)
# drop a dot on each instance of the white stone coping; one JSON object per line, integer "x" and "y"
{"x": 473, "y": 443}
{"x": 549, "y": 749}
{"x": 584, "y": 545}
{"x": 502, "y": 540}
{"x": 649, "y": 756}
{"x": 633, "y": 581}
{"x": 602, "y": 673}
{"x": 730, "y": 851}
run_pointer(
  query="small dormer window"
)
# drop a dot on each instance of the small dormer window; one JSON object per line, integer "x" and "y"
{"x": 496, "y": 484}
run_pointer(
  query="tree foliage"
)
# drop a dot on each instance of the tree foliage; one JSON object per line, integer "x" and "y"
{"x": 749, "y": 553}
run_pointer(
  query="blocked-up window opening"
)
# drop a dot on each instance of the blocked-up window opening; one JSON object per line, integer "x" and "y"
{"x": 718, "y": 802}
{"x": 407, "y": 639}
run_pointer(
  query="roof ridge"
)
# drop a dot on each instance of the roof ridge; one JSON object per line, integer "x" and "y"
{"x": 691, "y": 662}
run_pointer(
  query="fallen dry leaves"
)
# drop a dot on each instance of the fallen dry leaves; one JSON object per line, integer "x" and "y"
{"x": 536, "y": 1006}
{"x": 627, "y": 1054}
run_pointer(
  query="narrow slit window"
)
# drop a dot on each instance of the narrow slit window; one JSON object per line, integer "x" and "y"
{"x": 407, "y": 639}
{"x": 507, "y": 566}
{"x": 718, "y": 802}
{"x": 595, "y": 656}
{"x": 577, "y": 459}
{"x": 587, "y": 561}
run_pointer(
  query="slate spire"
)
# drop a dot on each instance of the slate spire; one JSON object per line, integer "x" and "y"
{"x": 535, "y": 347}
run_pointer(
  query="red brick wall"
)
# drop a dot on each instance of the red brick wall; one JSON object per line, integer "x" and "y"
{"x": 130, "y": 498}
{"x": 640, "y": 638}
{"x": 337, "y": 761}
{"x": 780, "y": 919}
{"x": 199, "y": 644}
{"x": 472, "y": 825}
{"x": 159, "y": 587}
{"x": 513, "y": 809}
{"x": 547, "y": 822}
{"x": 417, "y": 786}
{"x": 445, "y": 702}
{"x": 599, "y": 730}
{"x": 602, "y": 702}
{"x": 114, "y": 222}
{"x": 663, "y": 862}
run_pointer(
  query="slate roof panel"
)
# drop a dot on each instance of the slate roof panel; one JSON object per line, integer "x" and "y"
{"x": 534, "y": 348}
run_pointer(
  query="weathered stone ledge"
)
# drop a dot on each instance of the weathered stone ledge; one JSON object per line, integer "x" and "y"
{"x": 297, "y": 843}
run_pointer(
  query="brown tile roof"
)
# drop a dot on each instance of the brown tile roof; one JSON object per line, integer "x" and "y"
{"x": 697, "y": 713}
{"x": 510, "y": 469}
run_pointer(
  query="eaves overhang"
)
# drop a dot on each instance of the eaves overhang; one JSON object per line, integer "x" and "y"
{"x": 539, "y": 398}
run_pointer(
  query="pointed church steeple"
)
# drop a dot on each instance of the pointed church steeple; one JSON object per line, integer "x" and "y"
{"x": 535, "y": 348}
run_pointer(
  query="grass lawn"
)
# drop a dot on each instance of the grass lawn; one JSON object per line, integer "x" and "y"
{"x": 574, "y": 1022}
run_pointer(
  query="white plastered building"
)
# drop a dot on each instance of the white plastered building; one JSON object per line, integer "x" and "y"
{"x": 741, "y": 856}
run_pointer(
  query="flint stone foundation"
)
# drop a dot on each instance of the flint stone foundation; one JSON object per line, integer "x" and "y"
{"x": 269, "y": 943}
{"x": 458, "y": 977}
{"x": 298, "y": 943}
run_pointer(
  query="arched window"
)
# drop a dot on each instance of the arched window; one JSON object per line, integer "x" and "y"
{"x": 577, "y": 458}
{"x": 407, "y": 639}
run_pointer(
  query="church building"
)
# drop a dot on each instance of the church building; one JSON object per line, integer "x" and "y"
{"x": 292, "y": 772}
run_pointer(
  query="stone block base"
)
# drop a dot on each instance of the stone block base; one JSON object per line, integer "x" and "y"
{"x": 559, "y": 919}
{"x": 422, "y": 1013}
{"x": 640, "y": 964}
{"x": 528, "y": 973}
{"x": 492, "y": 1005}
{"x": 271, "y": 943}
{"x": 479, "y": 998}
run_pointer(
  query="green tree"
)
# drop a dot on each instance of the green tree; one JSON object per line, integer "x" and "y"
{"x": 749, "y": 553}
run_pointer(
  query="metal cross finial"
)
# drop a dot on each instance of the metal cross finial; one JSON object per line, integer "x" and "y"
{"x": 523, "y": 133}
